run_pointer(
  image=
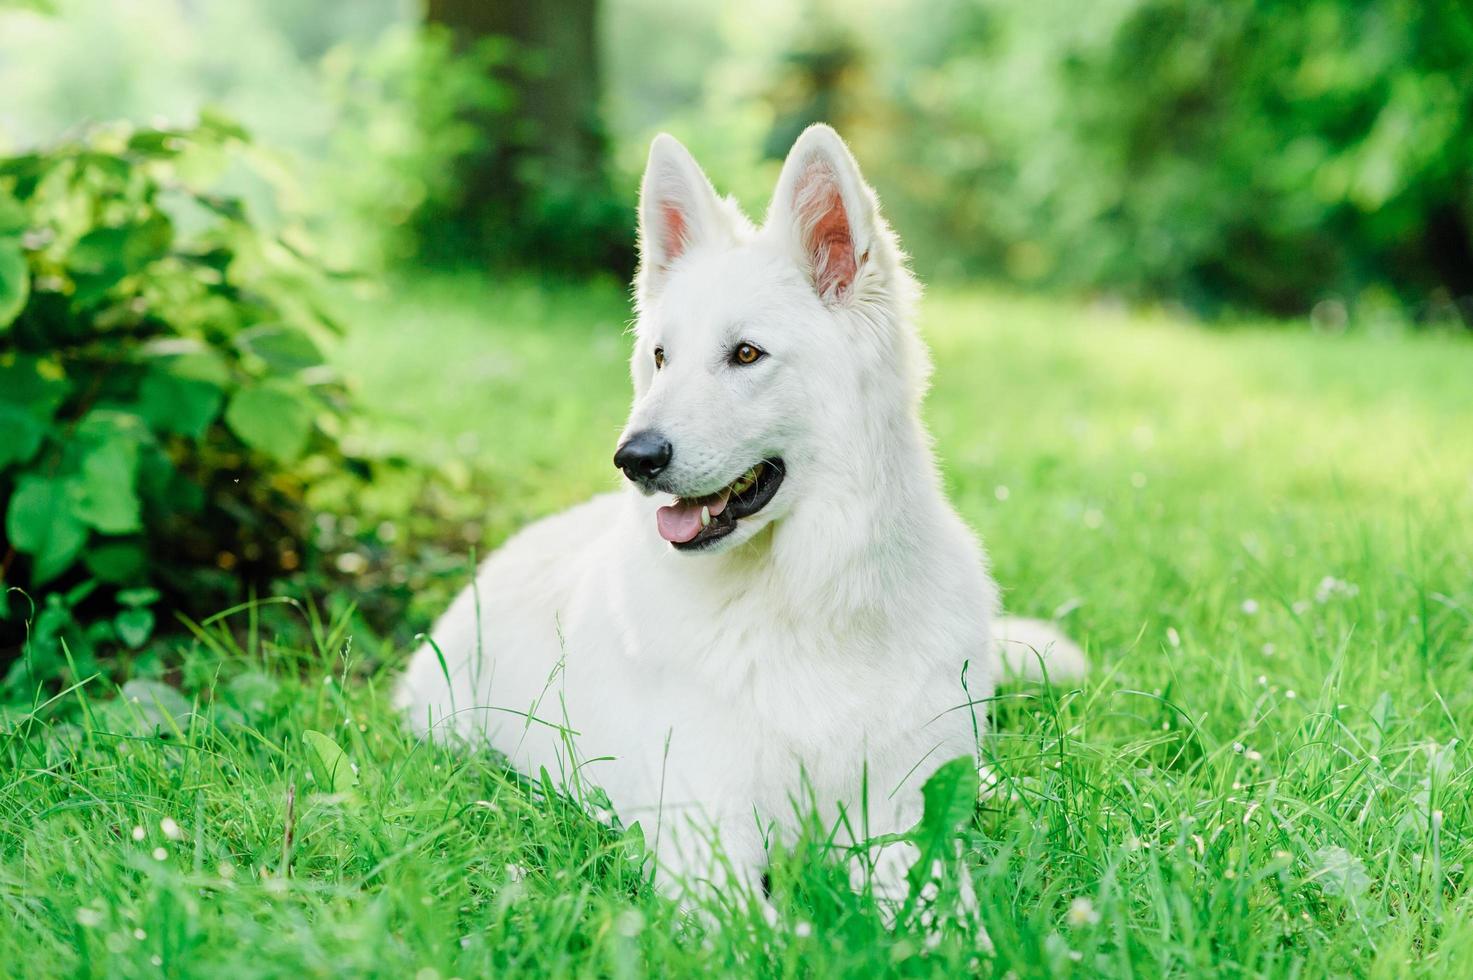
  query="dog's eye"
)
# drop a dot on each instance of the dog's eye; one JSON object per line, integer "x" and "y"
{"x": 746, "y": 354}
{"x": 659, "y": 358}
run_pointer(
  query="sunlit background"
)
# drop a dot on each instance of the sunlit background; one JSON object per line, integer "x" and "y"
{"x": 1231, "y": 159}
{"x": 307, "y": 306}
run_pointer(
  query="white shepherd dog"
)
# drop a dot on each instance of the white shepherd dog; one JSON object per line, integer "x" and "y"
{"x": 781, "y": 603}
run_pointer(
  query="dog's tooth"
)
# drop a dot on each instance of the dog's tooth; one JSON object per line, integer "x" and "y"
{"x": 705, "y": 516}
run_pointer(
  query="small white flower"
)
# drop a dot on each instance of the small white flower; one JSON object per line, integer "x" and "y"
{"x": 171, "y": 829}
{"x": 1331, "y": 587}
{"x": 159, "y": 854}
{"x": 1082, "y": 912}
{"x": 139, "y": 833}
{"x": 1290, "y": 694}
{"x": 1001, "y": 492}
{"x": 1250, "y": 607}
{"x": 515, "y": 872}
{"x": 139, "y": 935}
{"x": 1268, "y": 649}
{"x": 803, "y": 930}
{"x": 89, "y": 918}
{"x": 1239, "y": 748}
{"x": 1172, "y": 636}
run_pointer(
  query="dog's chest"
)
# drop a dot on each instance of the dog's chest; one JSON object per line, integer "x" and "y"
{"x": 769, "y": 708}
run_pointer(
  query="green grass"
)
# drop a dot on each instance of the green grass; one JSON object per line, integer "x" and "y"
{"x": 1265, "y": 537}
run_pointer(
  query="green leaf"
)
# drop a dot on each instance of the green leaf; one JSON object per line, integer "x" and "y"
{"x": 160, "y": 706}
{"x": 40, "y": 523}
{"x": 107, "y": 497}
{"x": 214, "y": 120}
{"x": 20, "y": 434}
{"x": 273, "y": 417}
{"x": 116, "y": 562}
{"x": 134, "y": 626}
{"x": 285, "y": 350}
{"x": 949, "y": 799}
{"x": 186, "y": 357}
{"x": 15, "y": 281}
{"x": 330, "y": 766}
{"x": 103, "y": 256}
{"x": 133, "y": 598}
{"x": 252, "y": 692}
{"x": 176, "y": 404}
{"x": 14, "y": 219}
{"x": 37, "y": 385}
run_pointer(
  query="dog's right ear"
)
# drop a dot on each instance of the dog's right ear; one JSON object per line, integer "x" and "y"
{"x": 678, "y": 209}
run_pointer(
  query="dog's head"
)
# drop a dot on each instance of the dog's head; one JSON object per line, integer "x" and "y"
{"x": 768, "y": 361}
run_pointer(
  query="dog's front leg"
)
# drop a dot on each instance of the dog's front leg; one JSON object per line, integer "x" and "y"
{"x": 706, "y": 865}
{"x": 886, "y": 868}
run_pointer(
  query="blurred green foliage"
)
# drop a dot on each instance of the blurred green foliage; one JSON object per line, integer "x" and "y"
{"x": 162, "y": 382}
{"x": 407, "y": 111}
{"x": 1261, "y": 155}
{"x": 1258, "y": 154}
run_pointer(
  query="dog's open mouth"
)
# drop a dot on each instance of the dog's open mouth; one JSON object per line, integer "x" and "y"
{"x": 694, "y": 522}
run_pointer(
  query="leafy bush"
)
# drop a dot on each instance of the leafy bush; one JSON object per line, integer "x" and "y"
{"x": 1260, "y": 154}
{"x": 162, "y": 388}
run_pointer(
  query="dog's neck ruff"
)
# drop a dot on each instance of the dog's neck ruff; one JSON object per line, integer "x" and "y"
{"x": 857, "y": 548}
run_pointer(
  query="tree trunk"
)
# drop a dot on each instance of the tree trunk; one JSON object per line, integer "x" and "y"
{"x": 553, "y": 142}
{"x": 1450, "y": 249}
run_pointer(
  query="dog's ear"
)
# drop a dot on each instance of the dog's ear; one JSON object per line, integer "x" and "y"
{"x": 678, "y": 208}
{"x": 827, "y": 212}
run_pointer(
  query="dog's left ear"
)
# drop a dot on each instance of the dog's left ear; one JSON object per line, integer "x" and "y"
{"x": 678, "y": 210}
{"x": 827, "y": 211}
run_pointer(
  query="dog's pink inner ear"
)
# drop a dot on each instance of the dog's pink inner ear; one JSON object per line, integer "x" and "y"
{"x": 827, "y": 239}
{"x": 672, "y": 231}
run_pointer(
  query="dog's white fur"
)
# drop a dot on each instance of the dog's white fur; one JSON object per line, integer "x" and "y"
{"x": 817, "y": 652}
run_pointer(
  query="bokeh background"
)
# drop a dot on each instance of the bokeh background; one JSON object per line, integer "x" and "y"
{"x": 1289, "y": 158}
{"x": 282, "y": 285}
{"x": 305, "y": 307}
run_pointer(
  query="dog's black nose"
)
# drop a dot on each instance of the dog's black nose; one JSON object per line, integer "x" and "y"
{"x": 644, "y": 455}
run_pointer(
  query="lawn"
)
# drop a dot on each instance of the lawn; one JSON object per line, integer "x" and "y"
{"x": 1264, "y": 536}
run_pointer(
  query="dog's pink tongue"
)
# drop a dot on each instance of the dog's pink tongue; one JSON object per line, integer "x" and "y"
{"x": 681, "y": 521}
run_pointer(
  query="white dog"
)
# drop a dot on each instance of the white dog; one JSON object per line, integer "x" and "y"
{"x": 781, "y": 603}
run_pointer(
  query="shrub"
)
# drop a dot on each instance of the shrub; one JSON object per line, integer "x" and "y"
{"x": 1255, "y": 155}
{"x": 162, "y": 387}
